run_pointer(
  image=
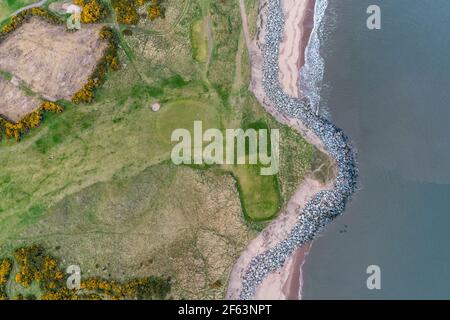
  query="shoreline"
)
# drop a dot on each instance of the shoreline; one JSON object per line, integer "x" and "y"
{"x": 299, "y": 22}
{"x": 286, "y": 282}
{"x": 326, "y": 203}
{"x": 298, "y": 27}
{"x": 297, "y": 31}
{"x": 278, "y": 284}
{"x": 294, "y": 284}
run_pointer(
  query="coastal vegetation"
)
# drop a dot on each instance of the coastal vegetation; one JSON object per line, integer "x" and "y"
{"x": 30, "y": 121}
{"x": 18, "y": 19}
{"x": 5, "y": 270}
{"x": 39, "y": 275}
{"x": 86, "y": 95}
{"x": 100, "y": 173}
{"x": 127, "y": 11}
{"x": 110, "y": 60}
{"x": 93, "y": 11}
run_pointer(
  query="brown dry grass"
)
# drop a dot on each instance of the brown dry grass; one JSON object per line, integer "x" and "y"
{"x": 168, "y": 221}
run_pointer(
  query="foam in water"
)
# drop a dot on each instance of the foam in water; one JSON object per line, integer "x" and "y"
{"x": 311, "y": 74}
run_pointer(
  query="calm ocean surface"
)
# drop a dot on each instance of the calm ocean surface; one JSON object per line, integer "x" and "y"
{"x": 389, "y": 90}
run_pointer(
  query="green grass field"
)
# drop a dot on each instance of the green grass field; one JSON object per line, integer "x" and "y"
{"x": 102, "y": 152}
{"x": 9, "y": 6}
{"x": 120, "y": 136}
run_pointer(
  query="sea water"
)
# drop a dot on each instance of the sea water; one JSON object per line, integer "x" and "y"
{"x": 389, "y": 90}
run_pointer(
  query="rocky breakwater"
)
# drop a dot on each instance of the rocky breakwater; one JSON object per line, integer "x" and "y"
{"x": 324, "y": 206}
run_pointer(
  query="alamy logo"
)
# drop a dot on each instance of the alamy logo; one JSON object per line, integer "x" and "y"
{"x": 374, "y": 280}
{"x": 237, "y": 147}
{"x": 74, "y": 280}
{"x": 374, "y": 20}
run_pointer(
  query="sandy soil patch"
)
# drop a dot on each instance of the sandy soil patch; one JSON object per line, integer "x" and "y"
{"x": 14, "y": 103}
{"x": 51, "y": 61}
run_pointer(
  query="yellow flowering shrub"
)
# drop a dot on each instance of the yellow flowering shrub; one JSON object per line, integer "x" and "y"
{"x": 126, "y": 11}
{"x": 92, "y": 10}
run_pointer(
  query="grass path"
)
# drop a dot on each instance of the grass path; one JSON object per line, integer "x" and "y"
{"x": 30, "y": 6}
{"x": 6, "y": 6}
{"x": 210, "y": 35}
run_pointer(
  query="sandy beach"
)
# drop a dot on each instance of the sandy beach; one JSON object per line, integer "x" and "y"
{"x": 299, "y": 23}
{"x": 299, "y": 15}
{"x": 285, "y": 283}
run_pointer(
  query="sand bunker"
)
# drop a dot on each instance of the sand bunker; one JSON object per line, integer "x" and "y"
{"x": 14, "y": 103}
{"x": 49, "y": 60}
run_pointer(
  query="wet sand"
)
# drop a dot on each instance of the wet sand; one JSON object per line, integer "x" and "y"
{"x": 292, "y": 288}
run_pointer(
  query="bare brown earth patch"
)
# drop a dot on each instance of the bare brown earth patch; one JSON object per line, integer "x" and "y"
{"x": 14, "y": 103}
{"x": 50, "y": 60}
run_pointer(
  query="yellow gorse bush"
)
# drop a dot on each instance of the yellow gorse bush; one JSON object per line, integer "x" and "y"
{"x": 30, "y": 121}
{"x": 36, "y": 266}
{"x": 92, "y": 10}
